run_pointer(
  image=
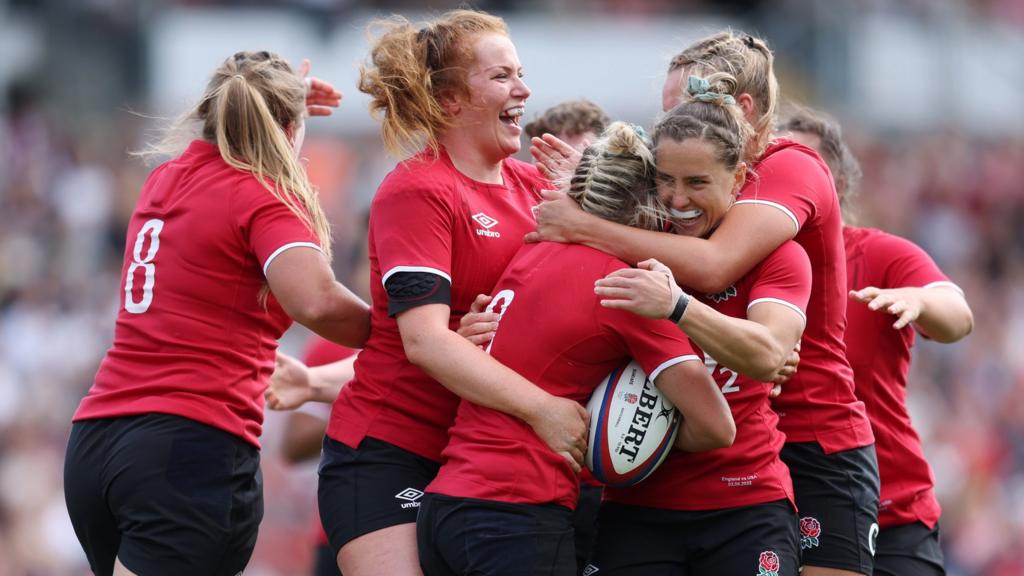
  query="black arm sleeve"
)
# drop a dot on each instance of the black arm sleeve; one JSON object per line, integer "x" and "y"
{"x": 411, "y": 289}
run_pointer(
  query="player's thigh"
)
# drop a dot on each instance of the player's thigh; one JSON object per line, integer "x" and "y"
{"x": 388, "y": 551}
{"x": 367, "y": 489}
{"x": 639, "y": 541}
{"x": 491, "y": 538}
{"x": 837, "y": 495}
{"x": 88, "y": 449}
{"x": 909, "y": 550}
{"x": 759, "y": 539}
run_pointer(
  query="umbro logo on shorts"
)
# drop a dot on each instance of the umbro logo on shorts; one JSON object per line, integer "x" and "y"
{"x": 412, "y": 495}
{"x": 590, "y": 569}
{"x": 487, "y": 222}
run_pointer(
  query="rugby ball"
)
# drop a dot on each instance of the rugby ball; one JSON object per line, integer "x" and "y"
{"x": 632, "y": 427}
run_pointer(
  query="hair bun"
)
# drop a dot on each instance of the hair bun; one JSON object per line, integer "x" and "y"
{"x": 700, "y": 90}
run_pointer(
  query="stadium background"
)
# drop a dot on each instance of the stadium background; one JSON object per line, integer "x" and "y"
{"x": 930, "y": 93}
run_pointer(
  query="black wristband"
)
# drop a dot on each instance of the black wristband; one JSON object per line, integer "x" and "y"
{"x": 677, "y": 312}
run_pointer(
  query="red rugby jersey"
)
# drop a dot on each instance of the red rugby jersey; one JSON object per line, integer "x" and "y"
{"x": 750, "y": 471}
{"x": 818, "y": 404}
{"x": 880, "y": 356}
{"x": 192, "y": 338}
{"x": 553, "y": 332}
{"x": 428, "y": 216}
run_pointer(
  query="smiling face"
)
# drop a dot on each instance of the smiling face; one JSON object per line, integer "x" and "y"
{"x": 488, "y": 117}
{"x": 695, "y": 185}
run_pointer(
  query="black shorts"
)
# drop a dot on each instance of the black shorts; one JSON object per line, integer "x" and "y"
{"x": 369, "y": 488}
{"x": 837, "y": 496}
{"x": 909, "y": 550}
{"x": 164, "y": 494}
{"x": 746, "y": 541}
{"x": 584, "y": 522}
{"x": 459, "y": 536}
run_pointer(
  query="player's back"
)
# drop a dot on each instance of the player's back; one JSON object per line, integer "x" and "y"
{"x": 196, "y": 322}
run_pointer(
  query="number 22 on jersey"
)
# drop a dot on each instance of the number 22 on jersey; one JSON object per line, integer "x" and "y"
{"x": 727, "y": 374}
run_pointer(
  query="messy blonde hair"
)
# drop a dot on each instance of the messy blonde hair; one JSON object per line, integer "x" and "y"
{"x": 411, "y": 68}
{"x": 615, "y": 179}
{"x": 749, "y": 61}
{"x": 249, "y": 103}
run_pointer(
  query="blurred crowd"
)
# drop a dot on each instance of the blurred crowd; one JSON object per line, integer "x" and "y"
{"x": 66, "y": 194}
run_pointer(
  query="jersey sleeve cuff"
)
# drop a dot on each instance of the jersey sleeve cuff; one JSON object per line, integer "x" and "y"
{"x": 786, "y": 211}
{"x": 670, "y": 363}
{"x": 945, "y": 284}
{"x": 282, "y": 249}
{"x": 789, "y": 305}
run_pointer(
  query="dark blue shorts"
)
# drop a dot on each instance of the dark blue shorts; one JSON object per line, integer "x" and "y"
{"x": 458, "y": 536}
{"x": 837, "y": 497}
{"x": 369, "y": 488}
{"x": 165, "y": 494}
{"x": 744, "y": 541}
{"x": 909, "y": 550}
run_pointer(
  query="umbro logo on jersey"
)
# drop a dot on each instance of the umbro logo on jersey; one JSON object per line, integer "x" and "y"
{"x": 487, "y": 222}
{"x": 412, "y": 495}
{"x": 723, "y": 295}
{"x": 590, "y": 569}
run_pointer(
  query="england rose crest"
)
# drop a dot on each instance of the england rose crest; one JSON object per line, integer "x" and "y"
{"x": 768, "y": 564}
{"x": 810, "y": 529}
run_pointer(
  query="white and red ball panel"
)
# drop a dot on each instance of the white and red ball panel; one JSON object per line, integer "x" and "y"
{"x": 632, "y": 427}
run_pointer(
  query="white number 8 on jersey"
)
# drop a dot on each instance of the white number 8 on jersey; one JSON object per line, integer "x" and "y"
{"x": 153, "y": 227}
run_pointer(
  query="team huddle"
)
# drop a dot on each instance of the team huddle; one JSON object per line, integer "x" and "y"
{"x": 714, "y": 250}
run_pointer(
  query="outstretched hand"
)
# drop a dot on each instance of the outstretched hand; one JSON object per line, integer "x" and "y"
{"x": 555, "y": 159}
{"x": 905, "y": 303}
{"x": 321, "y": 95}
{"x": 290, "y": 385}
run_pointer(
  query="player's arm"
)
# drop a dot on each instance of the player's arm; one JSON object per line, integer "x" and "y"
{"x": 756, "y": 347}
{"x": 293, "y": 383}
{"x": 303, "y": 283}
{"x": 708, "y": 265}
{"x": 707, "y": 420}
{"x": 940, "y": 311}
{"x": 474, "y": 375}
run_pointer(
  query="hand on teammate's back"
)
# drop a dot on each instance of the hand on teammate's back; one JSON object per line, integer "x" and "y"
{"x": 558, "y": 218}
{"x": 478, "y": 325}
{"x": 649, "y": 290}
{"x": 786, "y": 372}
{"x": 563, "y": 425}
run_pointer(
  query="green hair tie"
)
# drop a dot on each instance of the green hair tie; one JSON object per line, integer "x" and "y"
{"x": 700, "y": 89}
